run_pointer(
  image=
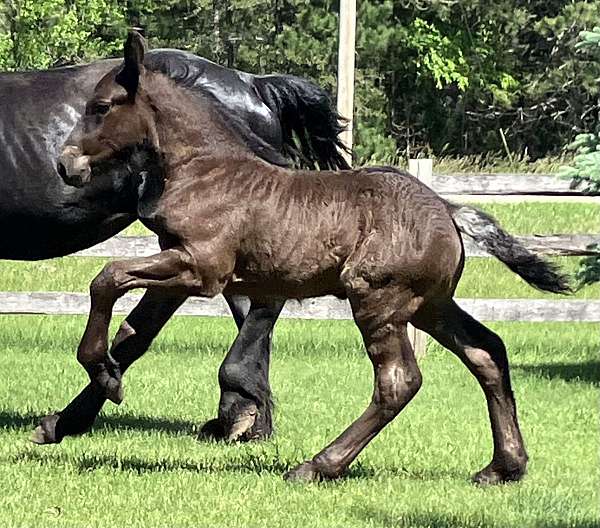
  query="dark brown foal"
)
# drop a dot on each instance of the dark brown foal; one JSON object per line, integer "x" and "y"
{"x": 228, "y": 222}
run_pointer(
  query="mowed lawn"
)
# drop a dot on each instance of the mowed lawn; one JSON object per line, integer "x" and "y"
{"x": 142, "y": 466}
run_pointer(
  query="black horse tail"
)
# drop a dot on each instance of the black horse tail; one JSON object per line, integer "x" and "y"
{"x": 489, "y": 236}
{"x": 309, "y": 121}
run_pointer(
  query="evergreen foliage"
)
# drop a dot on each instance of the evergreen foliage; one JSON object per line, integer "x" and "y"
{"x": 585, "y": 170}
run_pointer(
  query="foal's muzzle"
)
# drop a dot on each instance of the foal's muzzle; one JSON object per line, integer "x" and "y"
{"x": 73, "y": 167}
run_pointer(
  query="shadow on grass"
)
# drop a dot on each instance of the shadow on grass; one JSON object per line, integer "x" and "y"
{"x": 241, "y": 462}
{"x": 85, "y": 462}
{"x": 17, "y": 420}
{"x": 585, "y": 372}
{"x": 380, "y": 519}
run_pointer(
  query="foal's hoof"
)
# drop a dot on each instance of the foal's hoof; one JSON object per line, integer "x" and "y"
{"x": 114, "y": 391}
{"x": 493, "y": 474}
{"x": 305, "y": 472}
{"x": 112, "y": 387}
{"x": 46, "y": 433}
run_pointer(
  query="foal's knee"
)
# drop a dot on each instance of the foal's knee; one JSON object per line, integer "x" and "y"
{"x": 107, "y": 280}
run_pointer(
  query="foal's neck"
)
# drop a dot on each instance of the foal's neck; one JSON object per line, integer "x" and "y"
{"x": 190, "y": 131}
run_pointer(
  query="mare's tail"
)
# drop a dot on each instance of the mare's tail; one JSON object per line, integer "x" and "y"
{"x": 309, "y": 121}
{"x": 490, "y": 237}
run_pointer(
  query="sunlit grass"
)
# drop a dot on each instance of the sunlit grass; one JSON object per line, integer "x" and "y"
{"x": 142, "y": 466}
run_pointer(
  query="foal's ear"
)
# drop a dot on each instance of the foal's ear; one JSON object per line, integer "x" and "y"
{"x": 129, "y": 76}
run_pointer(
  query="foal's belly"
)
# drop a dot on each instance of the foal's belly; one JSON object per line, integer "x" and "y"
{"x": 305, "y": 270}
{"x": 326, "y": 283}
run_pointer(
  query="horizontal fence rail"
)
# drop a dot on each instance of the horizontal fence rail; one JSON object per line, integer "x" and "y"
{"x": 531, "y": 310}
{"x": 505, "y": 184}
{"x": 558, "y": 245}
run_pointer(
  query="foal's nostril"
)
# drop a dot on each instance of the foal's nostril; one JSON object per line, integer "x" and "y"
{"x": 62, "y": 170}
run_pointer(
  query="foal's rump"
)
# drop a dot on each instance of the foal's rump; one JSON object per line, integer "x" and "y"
{"x": 486, "y": 232}
{"x": 408, "y": 238}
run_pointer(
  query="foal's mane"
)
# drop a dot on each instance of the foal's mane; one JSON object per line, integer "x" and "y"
{"x": 182, "y": 69}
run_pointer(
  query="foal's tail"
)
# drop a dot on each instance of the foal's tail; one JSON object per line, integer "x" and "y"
{"x": 309, "y": 121}
{"x": 490, "y": 237}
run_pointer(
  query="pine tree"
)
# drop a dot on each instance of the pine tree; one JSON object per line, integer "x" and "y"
{"x": 585, "y": 171}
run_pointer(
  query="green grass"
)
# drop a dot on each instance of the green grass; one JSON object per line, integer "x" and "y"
{"x": 499, "y": 162}
{"x": 142, "y": 467}
{"x": 548, "y": 218}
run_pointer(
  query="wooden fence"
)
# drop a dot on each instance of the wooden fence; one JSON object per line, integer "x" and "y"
{"x": 472, "y": 187}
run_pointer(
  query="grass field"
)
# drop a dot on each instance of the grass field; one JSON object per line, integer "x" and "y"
{"x": 142, "y": 467}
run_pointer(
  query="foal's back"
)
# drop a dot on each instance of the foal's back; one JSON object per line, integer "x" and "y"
{"x": 312, "y": 232}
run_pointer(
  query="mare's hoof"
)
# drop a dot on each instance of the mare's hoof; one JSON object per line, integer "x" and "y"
{"x": 494, "y": 474}
{"x": 305, "y": 472}
{"x": 240, "y": 428}
{"x": 246, "y": 425}
{"x": 45, "y": 433}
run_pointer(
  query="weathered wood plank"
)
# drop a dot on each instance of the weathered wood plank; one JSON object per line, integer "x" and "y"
{"x": 502, "y": 183}
{"x": 123, "y": 247}
{"x": 566, "y": 245}
{"x": 518, "y": 198}
{"x": 532, "y": 310}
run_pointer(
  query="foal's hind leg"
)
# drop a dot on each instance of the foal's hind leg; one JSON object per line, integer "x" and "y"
{"x": 484, "y": 354}
{"x": 397, "y": 380}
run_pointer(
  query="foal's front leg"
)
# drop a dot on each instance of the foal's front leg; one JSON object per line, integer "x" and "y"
{"x": 132, "y": 340}
{"x": 170, "y": 270}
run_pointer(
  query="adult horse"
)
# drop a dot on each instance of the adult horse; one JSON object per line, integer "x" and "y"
{"x": 230, "y": 222}
{"x": 283, "y": 117}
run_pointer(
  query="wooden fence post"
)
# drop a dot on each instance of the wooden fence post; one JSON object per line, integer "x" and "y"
{"x": 345, "y": 93}
{"x": 422, "y": 169}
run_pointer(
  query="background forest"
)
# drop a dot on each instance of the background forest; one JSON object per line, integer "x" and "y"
{"x": 446, "y": 77}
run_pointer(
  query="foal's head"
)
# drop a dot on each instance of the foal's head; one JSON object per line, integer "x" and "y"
{"x": 118, "y": 120}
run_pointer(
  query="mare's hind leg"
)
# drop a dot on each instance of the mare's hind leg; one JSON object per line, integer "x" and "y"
{"x": 381, "y": 316}
{"x": 484, "y": 354}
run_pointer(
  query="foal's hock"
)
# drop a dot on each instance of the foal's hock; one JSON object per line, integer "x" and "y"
{"x": 230, "y": 222}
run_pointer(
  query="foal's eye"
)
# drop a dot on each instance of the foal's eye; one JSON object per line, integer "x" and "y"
{"x": 101, "y": 108}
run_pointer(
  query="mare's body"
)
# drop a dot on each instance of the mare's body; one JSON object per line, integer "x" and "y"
{"x": 42, "y": 217}
{"x": 230, "y": 222}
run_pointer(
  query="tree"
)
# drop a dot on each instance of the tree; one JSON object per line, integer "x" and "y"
{"x": 585, "y": 170}
{"x": 46, "y": 33}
